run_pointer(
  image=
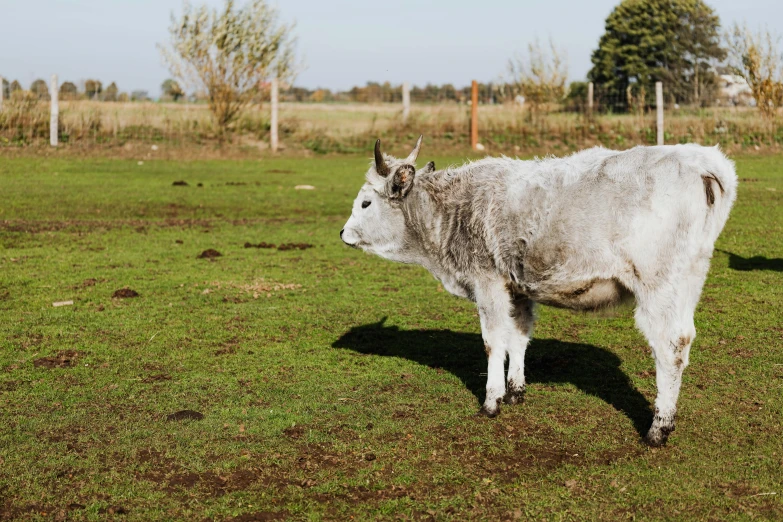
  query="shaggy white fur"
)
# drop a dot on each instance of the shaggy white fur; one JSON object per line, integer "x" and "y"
{"x": 582, "y": 232}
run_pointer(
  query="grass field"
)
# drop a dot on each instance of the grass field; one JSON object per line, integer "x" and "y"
{"x": 337, "y": 386}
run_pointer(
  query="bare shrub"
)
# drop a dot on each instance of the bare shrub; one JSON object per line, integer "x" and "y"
{"x": 540, "y": 76}
{"x": 230, "y": 53}
{"x": 757, "y": 57}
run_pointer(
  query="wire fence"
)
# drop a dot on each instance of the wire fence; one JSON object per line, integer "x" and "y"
{"x": 503, "y": 123}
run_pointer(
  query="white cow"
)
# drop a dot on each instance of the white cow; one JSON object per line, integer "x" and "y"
{"x": 583, "y": 232}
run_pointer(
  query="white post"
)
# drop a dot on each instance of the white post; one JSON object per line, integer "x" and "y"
{"x": 273, "y": 139}
{"x": 659, "y": 109}
{"x": 54, "y": 121}
{"x": 2, "y": 93}
{"x": 406, "y": 101}
{"x": 590, "y": 98}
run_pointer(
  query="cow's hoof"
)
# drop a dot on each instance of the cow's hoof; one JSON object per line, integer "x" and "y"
{"x": 657, "y": 436}
{"x": 514, "y": 396}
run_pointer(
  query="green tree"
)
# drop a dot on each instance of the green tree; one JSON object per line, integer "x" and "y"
{"x": 40, "y": 89}
{"x": 673, "y": 41}
{"x": 111, "y": 92}
{"x": 93, "y": 89}
{"x": 230, "y": 53}
{"x": 68, "y": 91}
{"x": 171, "y": 89}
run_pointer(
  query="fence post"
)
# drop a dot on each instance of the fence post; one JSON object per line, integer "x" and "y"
{"x": 659, "y": 109}
{"x": 590, "y": 98}
{"x": 54, "y": 92}
{"x": 273, "y": 138}
{"x": 474, "y": 115}
{"x": 406, "y": 101}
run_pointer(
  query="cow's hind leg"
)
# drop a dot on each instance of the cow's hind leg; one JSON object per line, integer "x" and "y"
{"x": 522, "y": 314}
{"x": 665, "y": 316}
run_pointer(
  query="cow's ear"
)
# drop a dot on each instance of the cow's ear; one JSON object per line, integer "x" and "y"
{"x": 402, "y": 182}
{"x": 429, "y": 167}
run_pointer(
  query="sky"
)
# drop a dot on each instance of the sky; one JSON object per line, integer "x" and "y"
{"x": 342, "y": 43}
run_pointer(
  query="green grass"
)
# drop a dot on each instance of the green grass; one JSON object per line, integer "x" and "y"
{"x": 337, "y": 385}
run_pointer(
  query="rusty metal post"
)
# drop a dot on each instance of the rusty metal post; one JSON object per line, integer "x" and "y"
{"x": 474, "y": 116}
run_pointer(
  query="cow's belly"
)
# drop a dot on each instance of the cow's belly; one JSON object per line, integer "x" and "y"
{"x": 589, "y": 295}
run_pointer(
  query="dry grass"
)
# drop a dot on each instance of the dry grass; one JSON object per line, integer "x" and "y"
{"x": 345, "y": 128}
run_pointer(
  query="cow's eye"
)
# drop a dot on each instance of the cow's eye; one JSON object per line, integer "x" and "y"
{"x": 366, "y": 204}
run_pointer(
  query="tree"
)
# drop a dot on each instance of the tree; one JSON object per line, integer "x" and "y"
{"x": 171, "y": 89}
{"x": 111, "y": 92}
{"x": 674, "y": 41}
{"x": 6, "y": 89}
{"x": 140, "y": 96}
{"x": 68, "y": 91}
{"x": 93, "y": 89}
{"x": 40, "y": 89}
{"x": 230, "y": 53}
{"x": 757, "y": 58}
{"x": 15, "y": 86}
{"x": 540, "y": 76}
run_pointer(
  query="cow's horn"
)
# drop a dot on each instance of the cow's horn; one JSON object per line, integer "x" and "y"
{"x": 380, "y": 163}
{"x": 415, "y": 154}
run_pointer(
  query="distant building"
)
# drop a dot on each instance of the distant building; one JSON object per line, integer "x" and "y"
{"x": 734, "y": 90}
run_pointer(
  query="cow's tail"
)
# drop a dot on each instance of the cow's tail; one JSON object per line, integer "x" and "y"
{"x": 719, "y": 182}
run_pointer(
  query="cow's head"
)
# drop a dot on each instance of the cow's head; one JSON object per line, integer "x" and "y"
{"x": 377, "y": 224}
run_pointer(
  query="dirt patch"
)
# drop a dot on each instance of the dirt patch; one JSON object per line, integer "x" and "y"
{"x": 87, "y": 283}
{"x": 294, "y": 432}
{"x": 125, "y": 293}
{"x": 283, "y": 247}
{"x": 185, "y": 415}
{"x": 295, "y": 246}
{"x": 281, "y": 171}
{"x": 209, "y": 253}
{"x": 260, "y": 516}
{"x": 8, "y": 386}
{"x": 114, "y": 510}
{"x": 180, "y": 184}
{"x": 63, "y": 359}
{"x": 156, "y": 378}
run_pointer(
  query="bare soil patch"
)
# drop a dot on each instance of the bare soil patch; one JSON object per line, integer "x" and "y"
{"x": 185, "y": 415}
{"x": 63, "y": 359}
{"x": 295, "y": 246}
{"x": 125, "y": 293}
{"x": 209, "y": 253}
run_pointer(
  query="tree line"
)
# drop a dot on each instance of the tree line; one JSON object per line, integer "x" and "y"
{"x": 89, "y": 90}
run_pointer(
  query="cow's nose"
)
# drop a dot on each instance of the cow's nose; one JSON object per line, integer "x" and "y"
{"x": 341, "y": 233}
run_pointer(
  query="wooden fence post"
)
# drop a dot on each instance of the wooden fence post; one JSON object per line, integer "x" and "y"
{"x": 590, "y": 98}
{"x": 54, "y": 121}
{"x": 273, "y": 137}
{"x": 474, "y": 116}
{"x": 406, "y": 101}
{"x": 659, "y": 109}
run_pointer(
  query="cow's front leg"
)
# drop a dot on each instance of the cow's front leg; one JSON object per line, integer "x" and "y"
{"x": 497, "y": 328}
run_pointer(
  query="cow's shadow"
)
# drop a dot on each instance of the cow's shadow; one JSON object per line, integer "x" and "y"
{"x": 747, "y": 264}
{"x": 593, "y": 370}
